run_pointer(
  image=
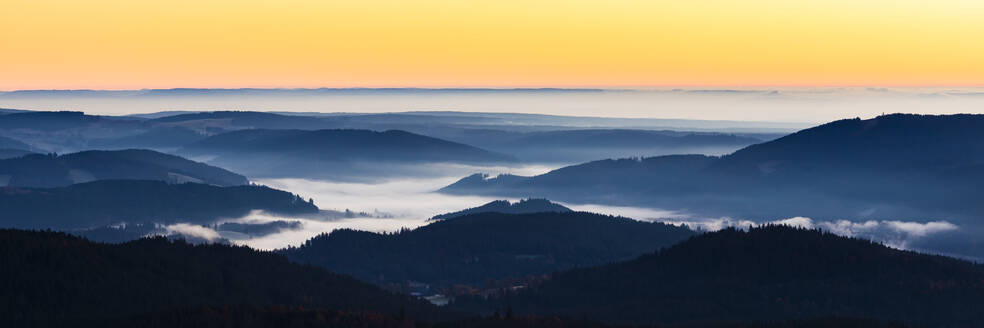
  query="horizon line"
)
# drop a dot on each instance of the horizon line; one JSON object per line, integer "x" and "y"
{"x": 518, "y": 88}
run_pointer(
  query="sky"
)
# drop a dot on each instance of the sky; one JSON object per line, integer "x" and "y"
{"x": 111, "y": 44}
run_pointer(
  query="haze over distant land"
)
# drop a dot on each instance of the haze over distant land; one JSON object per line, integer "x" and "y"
{"x": 805, "y": 106}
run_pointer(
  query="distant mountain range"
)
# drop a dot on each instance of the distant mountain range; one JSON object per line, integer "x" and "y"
{"x": 894, "y": 166}
{"x": 45, "y": 171}
{"x": 519, "y": 135}
{"x": 68, "y": 281}
{"x": 766, "y": 274}
{"x": 475, "y": 248}
{"x": 106, "y": 202}
{"x": 523, "y": 206}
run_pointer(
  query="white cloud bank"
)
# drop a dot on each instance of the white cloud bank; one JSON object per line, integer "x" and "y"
{"x": 192, "y": 230}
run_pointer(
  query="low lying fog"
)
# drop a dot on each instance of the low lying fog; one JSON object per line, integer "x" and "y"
{"x": 394, "y": 204}
{"x": 389, "y": 205}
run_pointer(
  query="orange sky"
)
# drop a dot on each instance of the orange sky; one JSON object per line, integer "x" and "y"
{"x": 103, "y": 44}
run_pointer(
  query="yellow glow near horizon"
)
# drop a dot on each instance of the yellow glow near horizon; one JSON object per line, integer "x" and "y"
{"x": 105, "y": 44}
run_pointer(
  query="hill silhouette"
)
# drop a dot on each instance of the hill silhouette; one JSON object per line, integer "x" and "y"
{"x": 336, "y": 153}
{"x": 899, "y": 166}
{"x": 10, "y": 143}
{"x": 158, "y": 137}
{"x": 58, "y": 171}
{"x": 105, "y": 202}
{"x": 523, "y": 206}
{"x": 6, "y": 153}
{"x": 235, "y": 120}
{"x": 64, "y": 280}
{"x": 769, "y": 273}
{"x": 343, "y": 144}
{"x": 46, "y": 121}
{"x": 572, "y": 146}
{"x": 280, "y": 316}
{"x": 474, "y": 248}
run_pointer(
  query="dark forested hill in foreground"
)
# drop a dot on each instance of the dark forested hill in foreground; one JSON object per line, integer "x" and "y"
{"x": 46, "y": 171}
{"x": 54, "y": 279}
{"x": 769, "y": 273}
{"x": 57, "y": 279}
{"x": 523, "y": 206}
{"x": 282, "y": 316}
{"x": 474, "y": 248}
{"x": 898, "y": 166}
{"x": 101, "y": 203}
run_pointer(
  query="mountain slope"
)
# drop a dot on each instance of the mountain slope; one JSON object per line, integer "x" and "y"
{"x": 10, "y": 143}
{"x": 523, "y": 206}
{"x": 6, "y": 153}
{"x": 592, "y": 144}
{"x": 474, "y": 248}
{"x": 898, "y": 166}
{"x": 342, "y": 145}
{"x": 235, "y": 120}
{"x": 63, "y": 280}
{"x": 106, "y": 202}
{"x": 769, "y": 273}
{"x": 58, "y": 171}
{"x": 156, "y": 138}
{"x": 335, "y": 154}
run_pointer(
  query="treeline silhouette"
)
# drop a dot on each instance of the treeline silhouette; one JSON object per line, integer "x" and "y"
{"x": 768, "y": 273}
{"x": 100, "y": 203}
{"x": 245, "y": 316}
{"x": 474, "y": 248}
{"x": 52, "y": 278}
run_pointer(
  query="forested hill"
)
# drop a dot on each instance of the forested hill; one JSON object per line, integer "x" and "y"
{"x": 474, "y": 248}
{"x": 848, "y": 169}
{"x": 393, "y": 145}
{"x": 45, "y": 171}
{"x": 60, "y": 280}
{"x": 504, "y": 206}
{"x": 769, "y": 273}
{"x": 105, "y": 202}
{"x": 283, "y": 316}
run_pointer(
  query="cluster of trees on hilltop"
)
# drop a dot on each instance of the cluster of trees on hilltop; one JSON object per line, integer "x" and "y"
{"x": 474, "y": 248}
{"x": 55, "y": 278}
{"x": 523, "y": 206}
{"x": 106, "y": 202}
{"x": 769, "y": 273}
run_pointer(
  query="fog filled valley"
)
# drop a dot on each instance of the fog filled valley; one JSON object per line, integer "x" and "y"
{"x": 485, "y": 219}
